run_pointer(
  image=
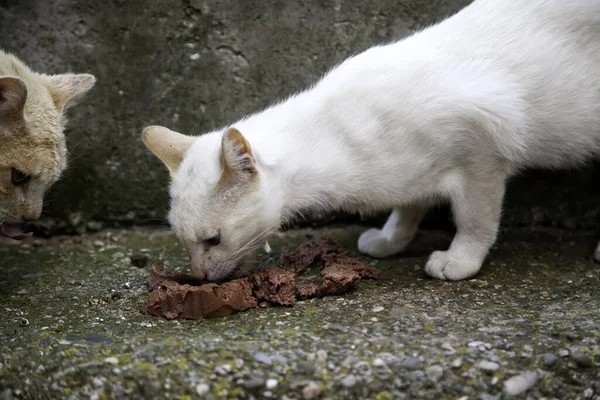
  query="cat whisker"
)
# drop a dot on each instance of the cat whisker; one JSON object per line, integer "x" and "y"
{"x": 74, "y": 147}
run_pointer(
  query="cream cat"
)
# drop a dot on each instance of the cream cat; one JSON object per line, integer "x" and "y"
{"x": 447, "y": 114}
{"x": 33, "y": 151}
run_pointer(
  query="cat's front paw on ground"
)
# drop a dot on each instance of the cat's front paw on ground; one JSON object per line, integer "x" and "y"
{"x": 442, "y": 265}
{"x": 376, "y": 244}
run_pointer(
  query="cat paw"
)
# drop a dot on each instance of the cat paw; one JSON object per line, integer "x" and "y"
{"x": 376, "y": 244}
{"x": 442, "y": 265}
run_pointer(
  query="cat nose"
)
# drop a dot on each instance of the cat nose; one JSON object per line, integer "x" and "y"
{"x": 32, "y": 210}
{"x": 198, "y": 267}
{"x": 32, "y": 215}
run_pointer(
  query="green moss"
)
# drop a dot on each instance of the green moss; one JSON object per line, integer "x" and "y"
{"x": 384, "y": 396}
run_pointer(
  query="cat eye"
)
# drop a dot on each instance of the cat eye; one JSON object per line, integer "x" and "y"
{"x": 19, "y": 177}
{"x": 213, "y": 241}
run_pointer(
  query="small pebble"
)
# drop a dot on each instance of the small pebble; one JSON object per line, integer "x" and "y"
{"x": 223, "y": 369}
{"x": 363, "y": 368}
{"x": 305, "y": 368}
{"x": 271, "y": 383}
{"x": 111, "y": 360}
{"x": 378, "y": 362}
{"x": 588, "y": 393}
{"x": 488, "y": 366}
{"x": 378, "y": 309}
{"x": 457, "y": 363}
{"x": 521, "y": 383}
{"x": 202, "y": 389}
{"x": 412, "y": 363}
{"x": 239, "y": 363}
{"x": 321, "y": 356}
{"x": 312, "y": 391}
{"x": 349, "y": 381}
{"x": 549, "y": 359}
{"x": 263, "y": 358}
{"x": 448, "y": 347}
{"x": 571, "y": 335}
{"x": 582, "y": 359}
{"x": 434, "y": 372}
{"x": 254, "y": 383}
{"x": 563, "y": 353}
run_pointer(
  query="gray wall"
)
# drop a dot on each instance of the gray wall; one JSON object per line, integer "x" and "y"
{"x": 193, "y": 65}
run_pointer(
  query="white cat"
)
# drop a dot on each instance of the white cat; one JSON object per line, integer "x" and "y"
{"x": 447, "y": 114}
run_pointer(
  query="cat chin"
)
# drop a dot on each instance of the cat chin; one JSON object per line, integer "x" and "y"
{"x": 14, "y": 230}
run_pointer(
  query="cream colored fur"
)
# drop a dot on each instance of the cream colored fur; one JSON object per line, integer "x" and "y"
{"x": 32, "y": 142}
{"x": 448, "y": 114}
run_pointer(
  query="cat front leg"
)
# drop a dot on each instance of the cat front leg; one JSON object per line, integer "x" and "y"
{"x": 396, "y": 234}
{"x": 476, "y": 207}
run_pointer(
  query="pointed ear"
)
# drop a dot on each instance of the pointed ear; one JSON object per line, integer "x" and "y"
{"x": 236, "y": 154}
{"x": 66, "y": 89}
{"x": 167, "y": 145}
{"x": 13, "y": 95}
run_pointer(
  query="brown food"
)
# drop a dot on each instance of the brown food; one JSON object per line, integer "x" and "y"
{"x": 274, "y": 285}
{"x": 337, "y": 276}
{"x": 176, "y": 295}
{"x": 308, "y": 253}
{"x": 170, "y": 298}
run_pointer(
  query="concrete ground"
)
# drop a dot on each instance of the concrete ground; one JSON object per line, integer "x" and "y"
{"x": 529, "y": 325}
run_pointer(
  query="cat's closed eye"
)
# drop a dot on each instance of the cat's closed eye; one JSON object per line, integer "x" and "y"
{"x": 213, "y": 241}
{"x": 19, "y": 177}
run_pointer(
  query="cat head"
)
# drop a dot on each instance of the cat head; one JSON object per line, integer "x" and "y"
{"x": 221, "y": 205}
{"x": 33, "y": 150}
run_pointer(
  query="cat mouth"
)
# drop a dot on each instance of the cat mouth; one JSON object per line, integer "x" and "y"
{"x": 14, "y": 230}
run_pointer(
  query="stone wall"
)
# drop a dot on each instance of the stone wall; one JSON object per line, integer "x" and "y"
{"x": 194, "y": 65}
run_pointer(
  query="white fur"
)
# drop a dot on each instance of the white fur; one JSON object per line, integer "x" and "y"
{"x": 448, "y": 114}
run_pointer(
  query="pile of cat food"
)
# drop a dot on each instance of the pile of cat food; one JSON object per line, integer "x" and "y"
{"x": 175, "y": 295}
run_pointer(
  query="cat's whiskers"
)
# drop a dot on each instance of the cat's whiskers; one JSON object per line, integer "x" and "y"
{"x": 256, "y": 240}
{"x": 73, "y": 148}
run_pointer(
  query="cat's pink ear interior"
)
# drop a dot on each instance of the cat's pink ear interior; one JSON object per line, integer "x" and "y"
{"x": 237, "y": 156}
{"x": 13, "y": 95}
{"x": 169, "y": 146}
{"x": 66, "y": 89}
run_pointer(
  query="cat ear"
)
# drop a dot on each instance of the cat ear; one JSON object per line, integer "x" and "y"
{"x": 13, "y": 95}
{"x": 237, "y": 156}
{"x": 167, "y": 145}
{"x": 66, "y": 89}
